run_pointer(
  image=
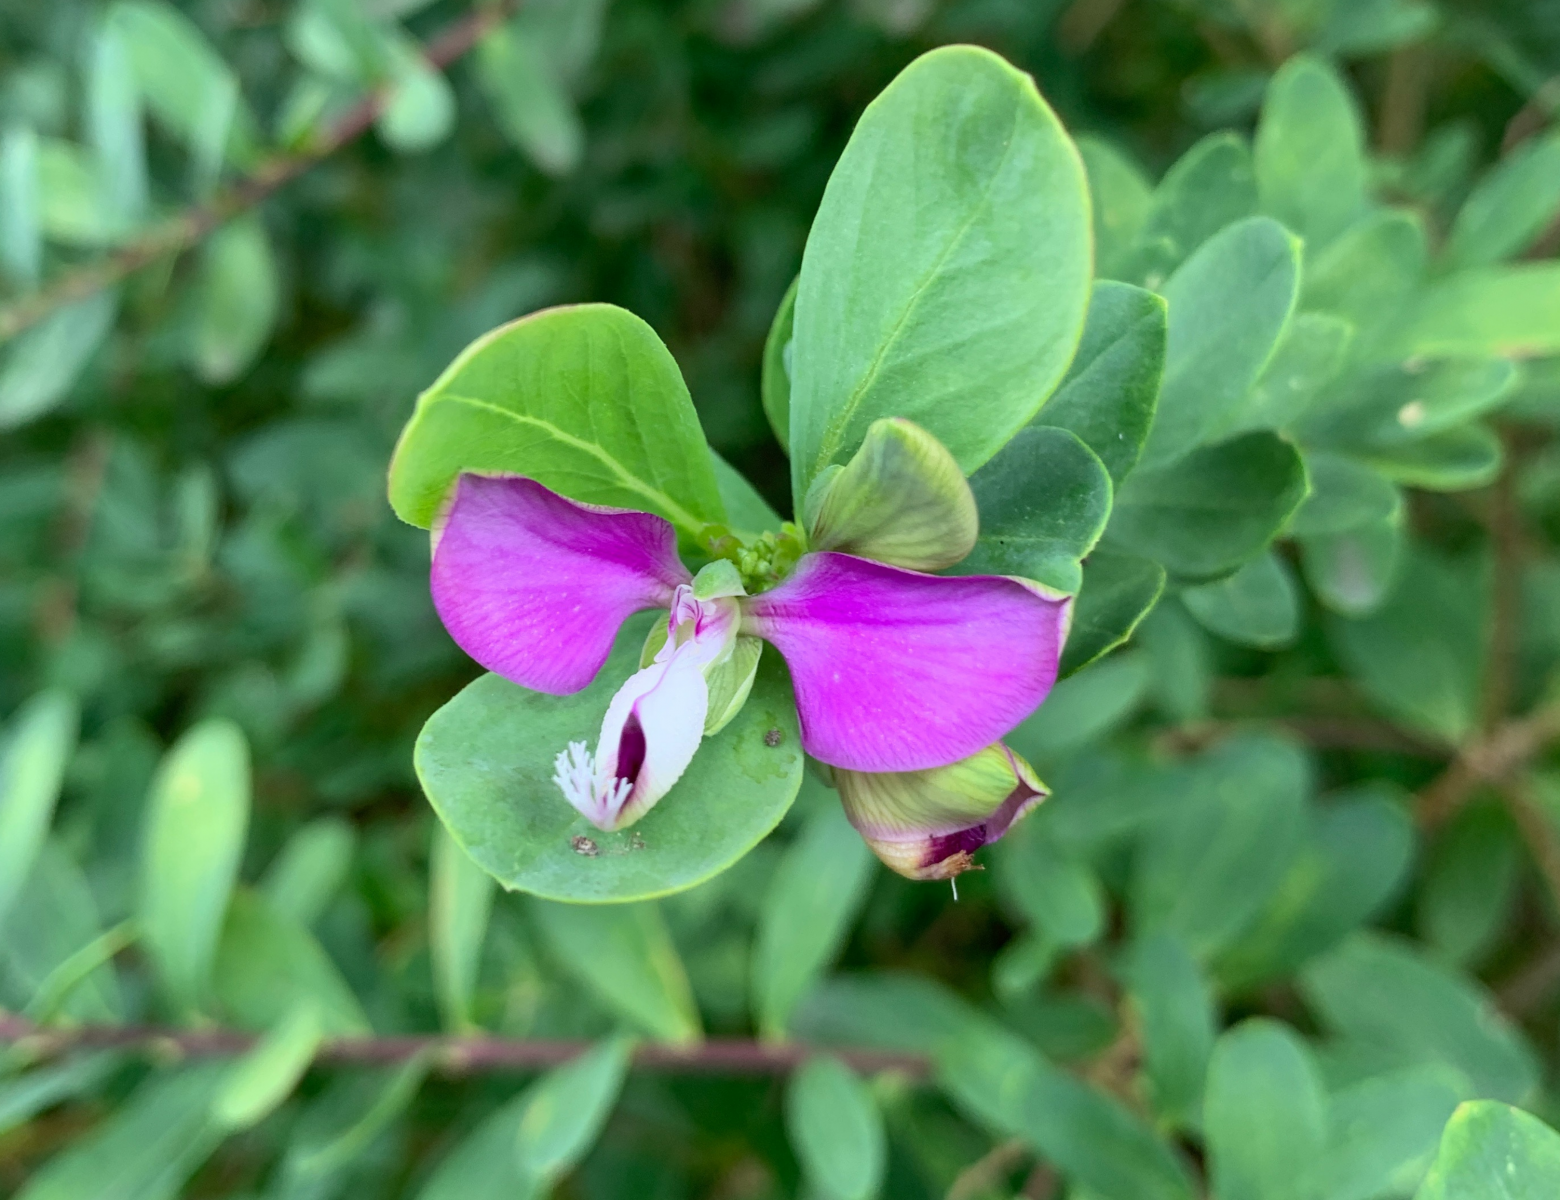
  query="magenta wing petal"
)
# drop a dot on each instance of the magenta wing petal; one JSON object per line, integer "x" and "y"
{"x": 534, "y": 586}
{"x": 899, "y": 671}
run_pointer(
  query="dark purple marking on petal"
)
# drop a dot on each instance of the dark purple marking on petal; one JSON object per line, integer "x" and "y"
{"x": 631, "y": 749}
{"x": 946, "y": 845}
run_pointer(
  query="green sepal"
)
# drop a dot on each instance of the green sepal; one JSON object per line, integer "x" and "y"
{"x": 901, "y": 500}
{"x": 718, "y": 579}
{"x": 730, "y": 680}
{"x": 904, "y": 815}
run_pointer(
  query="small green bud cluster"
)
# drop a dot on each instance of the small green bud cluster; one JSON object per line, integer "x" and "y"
{"x": 761, "y": 561}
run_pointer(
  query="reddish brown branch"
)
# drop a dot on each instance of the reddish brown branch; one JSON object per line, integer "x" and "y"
{"x": 188, "y": 228}
{"x": 1493, "y": 759}
{"x": 455, "y": 1055}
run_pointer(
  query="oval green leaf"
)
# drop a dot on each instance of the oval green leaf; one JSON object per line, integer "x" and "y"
{"x": 1258, "y": 606}
{"x": 1491, "y": 1151}
{"x": 625, "y": 955}
{"x": 1112, "y": 388}
{"x": 196, "y": 820}
{"x": 1230, "y": 304}
{"x": 947, "y": 272}
{"x": 813, "y": 898}
{"x": 1207, "y": 513}
{"x": 1043, "y": 501}
{"x": 836, "y": 1129}
{"x": 486, "y": 762}
{"x": 39, "y": 741}
{"x": 584, "y": 399}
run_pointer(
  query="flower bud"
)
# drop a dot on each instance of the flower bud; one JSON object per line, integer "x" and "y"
{"x": 901, "y": 500}
{"x": 928, "y": 824}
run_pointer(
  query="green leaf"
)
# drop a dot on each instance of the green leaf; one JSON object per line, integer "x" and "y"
{"x": 585, "y": 400}
{"x": 747, "y": 511}
{"x": 1204, "y": 515}
{"x": 1308, "y": 358}
{"x": 420, "y": 110}
{"x": 1310, "y": 152}
{"x": 1382, "y": 993}
{"x": 1469, "y": 884}
{"x": 533, "y": 108}
{"x": 53, "y": 995}
{"x": 1094, "y": 1140}
{"x": 1349, "y": 865}
{"x": 152, "y": 1143}
{"x": 21, "y": 232}
{"x": 947, "y": 271}
{"x": 1382, "y": 1132}
{"x": 813, "y": 898}
{"x": 41, "y": 365}
{"x": 1452, "y": 461}
{"x": 1050, "y": 886}
{"x": 494, "y": 788}
{"x": 1490, "y": 1151}
{"x": 1043, "y": 500}
{"x": 196, "y": 818}
{"x": 183, "y": 77}
{"x": 1353, "y": 572}
{"x": 1394, "y": 405}
{"x": 315, "y": 1156}
{"x": 567, "y": 1109}
{"x": 74, "y": 205}
{"x": 625, "y": 955}
{"x": 836, "y": 1130}
{"x": 460, "y": 896}
{"x": 266, "y": 964}
{"x": 309, "y": 870}
{"x": 1081, "y": 709}
{"x": 1265, "y": 1114}
{"x": 1174, "y": 1010}
{"x": 1420, "y": 655}
{"x": 1506, "y": 311}
{"x": 775, "y": 377}
{"x": 1258, "y": 606}
{"x": 113, "y": 118}
{"x": 483, "y": 1165}
{"x": 1120, "y": 197}
{"x": 1511, "y": 206}
{"x": 1208, "y": 864}
{"x": 1230, "y": 304}
{"x": 1181, "y": 656}
{"x": 1367, "y": 275}
{"x": 1375, "y": 26}
{"x": 1211, "y": 186}
{"x": 52, "y": 922}
{"x": 1118, "y": 591}
{"x": 237, "y": 293}
{"x": 37, "y": 746}
{"x": 260, "y": 1081}
{"x": 1112, "y": 387}
{"x": 24, "y": 1097}
{"x": 1345, "y": 495}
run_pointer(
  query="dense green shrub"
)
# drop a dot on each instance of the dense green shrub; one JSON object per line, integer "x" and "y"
{"x": 1285, "y": 928}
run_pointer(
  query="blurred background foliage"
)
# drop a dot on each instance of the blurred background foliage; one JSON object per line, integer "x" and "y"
{"x": 196, "y": 554}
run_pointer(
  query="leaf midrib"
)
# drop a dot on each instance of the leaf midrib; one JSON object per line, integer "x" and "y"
{"x": 834, "y": 431}
{"x": 676, "y": 512}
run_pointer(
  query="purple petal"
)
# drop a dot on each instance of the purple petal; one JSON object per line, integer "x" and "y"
{"x": 534, "y": 586}
{"x": 898, "y": 671}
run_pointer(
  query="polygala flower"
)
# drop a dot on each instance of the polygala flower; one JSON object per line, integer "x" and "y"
{"x": 904, "y": 681}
